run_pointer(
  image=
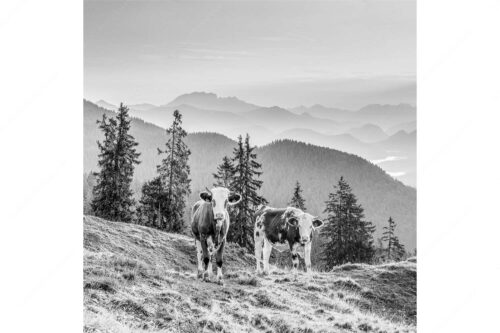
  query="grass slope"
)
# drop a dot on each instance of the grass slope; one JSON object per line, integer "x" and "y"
{"x": 138, "y": 279}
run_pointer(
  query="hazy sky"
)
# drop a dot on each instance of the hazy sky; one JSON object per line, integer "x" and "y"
{"x": 337, "y": 53}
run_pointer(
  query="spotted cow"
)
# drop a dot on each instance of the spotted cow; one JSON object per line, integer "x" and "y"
{"x": 210, "y": 223}
{"x": 283, "y": 225}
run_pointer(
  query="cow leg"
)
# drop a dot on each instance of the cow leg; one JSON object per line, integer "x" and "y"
{"x": 206, "y": 257}
{"x": 307, "y": 255}
{"x": 210, "y": 247}
{"x": 199, "y": 253}
{"x": 219, "y": 257}
{"x": 295, "y": 258}
{"x": 259, "y": 243}
{"x": 210, "y": 269}
{"x": 267, "y": 253}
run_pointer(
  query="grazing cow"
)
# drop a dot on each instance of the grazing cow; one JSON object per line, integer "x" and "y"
{"x": 280, "y": 225}
{"x": 210, "y": 223}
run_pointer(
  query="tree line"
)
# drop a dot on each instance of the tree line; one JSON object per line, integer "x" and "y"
{"x": 347, "y": 235}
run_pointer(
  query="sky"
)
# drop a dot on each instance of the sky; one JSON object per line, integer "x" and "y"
{"x": 336, "y": 53}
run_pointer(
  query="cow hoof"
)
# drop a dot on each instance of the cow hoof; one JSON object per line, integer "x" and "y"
{"x": 206, "y": 276}
{"x": 220, "y": 282}
{"x": 199, "y": 275}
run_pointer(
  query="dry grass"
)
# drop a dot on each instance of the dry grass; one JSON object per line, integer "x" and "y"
{"x": 137, "y": 279}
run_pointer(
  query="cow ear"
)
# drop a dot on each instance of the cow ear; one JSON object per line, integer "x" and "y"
{"x": 234, "y": 198}
{"x": 206, "y": 196}
{"x": 317, "y": 223}
{"x": 292, "y": 221}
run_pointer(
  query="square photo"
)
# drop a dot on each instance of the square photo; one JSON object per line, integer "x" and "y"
{"x": 249, "y": 166}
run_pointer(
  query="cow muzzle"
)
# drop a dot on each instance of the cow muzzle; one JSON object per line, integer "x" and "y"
{"x": 219, "y": 216}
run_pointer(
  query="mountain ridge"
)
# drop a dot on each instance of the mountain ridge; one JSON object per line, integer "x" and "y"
{"x": 212, "y": 101}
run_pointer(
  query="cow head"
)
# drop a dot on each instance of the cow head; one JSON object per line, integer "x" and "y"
{"x": 220, "y": 198}
{"x": 304, "y": 222}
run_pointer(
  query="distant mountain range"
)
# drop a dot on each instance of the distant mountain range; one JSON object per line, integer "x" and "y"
{"x": 385, "y": 116}
{"x": 211, "y": 101}
{"x": 284, "y": 162}
{"x": 366, "y": 132}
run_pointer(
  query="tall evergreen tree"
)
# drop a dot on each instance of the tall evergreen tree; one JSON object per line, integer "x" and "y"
{"x": 225, "y": 173}
{"x": 245, "y": 182}
{"x": 112, "y": 196}
{"x": 395, "y": 250}
{"x": 174, "y": 174}
{"x": 297, "y": 200}
{"x": 349, "y": 236}
{"x": 388, "y": 236}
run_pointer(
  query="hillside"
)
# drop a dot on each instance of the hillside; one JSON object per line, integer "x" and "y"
{"x": 343, "y": 142}
{"x": 315, "y": 167}
{"x": 138, "y": 279}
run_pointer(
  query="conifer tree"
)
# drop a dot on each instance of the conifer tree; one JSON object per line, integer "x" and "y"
{"x": 152, "y": 202}
{"x": 297, "y": 200}
{"x": 395, "y": 250}
{"x": 174, "y": 174}
{"x": 348, "y": 236}
{"x": 247, "y": 184}
{"x": 112, "y": 196}
{"x": 388, "y": 236}
{"x": 225, "y": 173}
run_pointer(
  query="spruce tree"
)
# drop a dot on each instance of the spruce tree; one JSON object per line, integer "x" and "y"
{"x": 247, "y": 184}
{"x": 348, "y": 236}
{"x": 225, "y": 173}
{"x": 174, "y": 174}
{"x": 388, "y": 236}
{"x": 112, "y": 196}
{"x": 395, "y": 250}
{"x": 297, "y": 200}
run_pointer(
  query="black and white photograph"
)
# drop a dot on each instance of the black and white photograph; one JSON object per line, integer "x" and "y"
{"x": 249, "y": 166}
{"x": 206, "y": 166}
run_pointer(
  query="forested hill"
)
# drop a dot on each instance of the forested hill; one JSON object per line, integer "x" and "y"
{"x": 318, "y": 169}
{"x": 284, "y": 162}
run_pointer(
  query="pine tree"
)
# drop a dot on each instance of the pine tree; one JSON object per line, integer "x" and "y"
{"x": 112, "y": 196}
{"x": 245, "y": 182}
{"x": 395, "y": 250}
{"x": 297, "y": 200}
{"x": 174, "y": 174}
{"x": 349, "y": 236}
{"x": 225, "y": 173}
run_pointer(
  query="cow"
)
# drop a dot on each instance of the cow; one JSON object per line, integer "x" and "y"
{"x": 281, "y": 225}
{"x": 210, "y": 223}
